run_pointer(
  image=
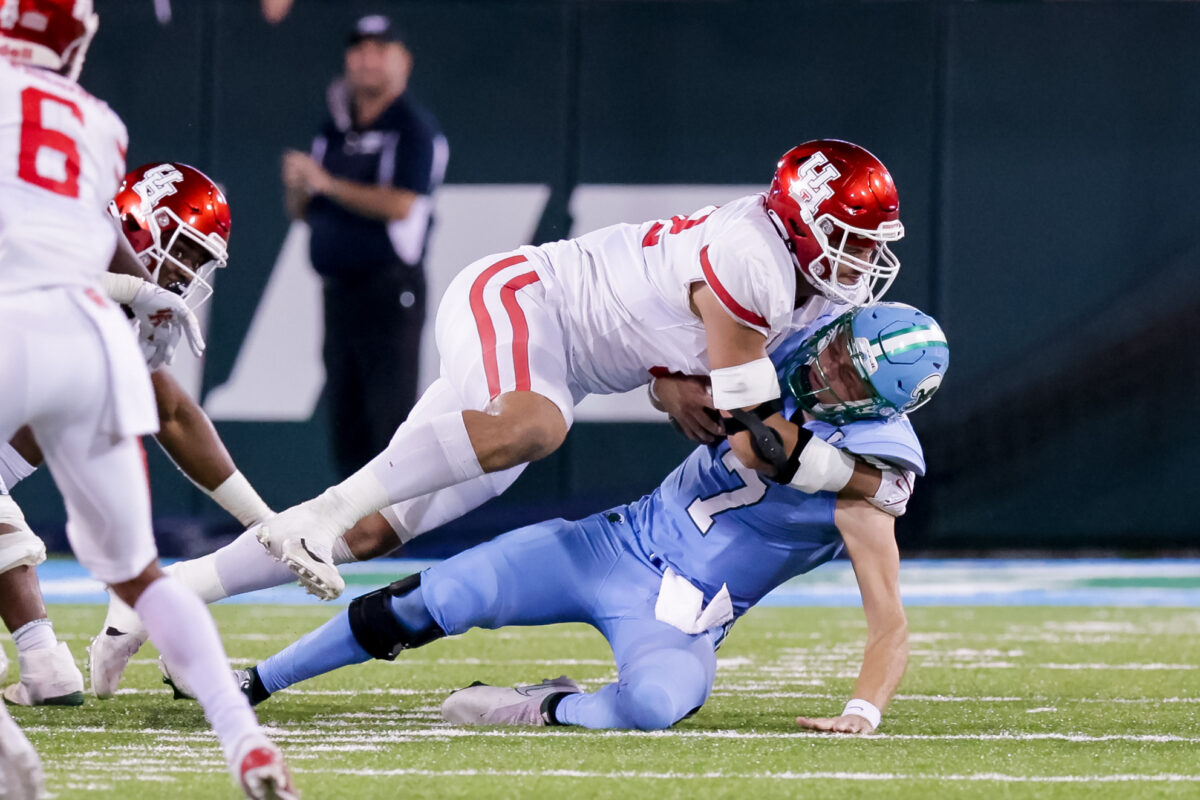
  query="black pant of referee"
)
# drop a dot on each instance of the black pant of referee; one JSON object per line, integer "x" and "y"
{"x": 372, "y": 352}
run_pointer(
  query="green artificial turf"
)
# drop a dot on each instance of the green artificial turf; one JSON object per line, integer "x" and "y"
{"x": 997, "y": 703}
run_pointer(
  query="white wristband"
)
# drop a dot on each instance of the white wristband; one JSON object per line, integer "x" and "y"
{"x": 745, "y": 385}
{"x": 121, "y": 288}
{"x": 823, "y": 468}
{"x": 237, "y": 496}
{"x": 864, "y": 709}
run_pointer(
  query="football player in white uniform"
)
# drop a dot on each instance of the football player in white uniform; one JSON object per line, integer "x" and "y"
{"x": 525, "y": 335}
{"x": 177, "y": 221}
{"x": 77, "y": 378}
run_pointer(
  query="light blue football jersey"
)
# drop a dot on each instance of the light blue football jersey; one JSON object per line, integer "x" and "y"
{"x": 716, "y": 521}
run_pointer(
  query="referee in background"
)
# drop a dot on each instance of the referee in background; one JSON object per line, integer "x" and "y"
{"x": 366, "y": 192}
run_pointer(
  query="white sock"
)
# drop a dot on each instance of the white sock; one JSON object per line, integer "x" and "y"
{"x": 36, "y": 635}
{"x": 244, "y": 565}
{"x": 201, "y": 576}
{"x": 184, "y": 632}
{"x": 420, "y": 459}
{"x": 342, "y": 554}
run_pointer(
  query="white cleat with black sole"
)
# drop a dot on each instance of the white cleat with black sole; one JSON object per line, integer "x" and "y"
{"x": 49, "y": 677}
{"x": 110, "y": 651}
{"x": 481, "y": 704}
{"x": 108, "y": 655}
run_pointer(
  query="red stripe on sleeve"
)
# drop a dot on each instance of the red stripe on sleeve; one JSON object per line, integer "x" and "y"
{"x": 483, "y": 322}
{"x": 742, "y": 313}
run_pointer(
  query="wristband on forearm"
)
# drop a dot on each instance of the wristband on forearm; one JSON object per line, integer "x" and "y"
{"x": 865, "y": 709}
{"x": 121, "y": 288}
{"x": 237, "y": 496}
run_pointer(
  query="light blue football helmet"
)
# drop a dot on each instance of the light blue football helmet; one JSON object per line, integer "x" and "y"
{"x": 899, "y": 353}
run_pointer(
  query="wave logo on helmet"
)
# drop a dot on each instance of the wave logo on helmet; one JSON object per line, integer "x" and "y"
{"x": 924, "y": 390}
{"x": 158, "y": 183}
{"x": 812, "y": 186}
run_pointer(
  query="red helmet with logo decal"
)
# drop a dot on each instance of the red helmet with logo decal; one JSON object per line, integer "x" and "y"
{"x": 177, "y": 220}
{"x": 838, "y": 208}
{"x": 53, "y": 34}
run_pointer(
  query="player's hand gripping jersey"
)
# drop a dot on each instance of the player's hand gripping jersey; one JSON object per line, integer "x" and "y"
{"x": 625, "y": 291}
{"x": 62, "y": 155}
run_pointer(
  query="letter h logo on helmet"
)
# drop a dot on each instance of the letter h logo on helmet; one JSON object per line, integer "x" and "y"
{"x": 156, "y": 184}
{"x": 812, "y": 185}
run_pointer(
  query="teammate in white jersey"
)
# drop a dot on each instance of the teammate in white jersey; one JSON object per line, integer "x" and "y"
{"x": 524, "y": 336}
{"x": 178, "y": 222}
{"x": 86, "y": 393}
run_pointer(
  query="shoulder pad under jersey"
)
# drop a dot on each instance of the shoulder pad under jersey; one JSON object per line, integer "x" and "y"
{"x": 893, "y": 441}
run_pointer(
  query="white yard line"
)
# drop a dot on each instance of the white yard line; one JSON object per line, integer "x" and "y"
{"x": 987, "y": 777}
{"x": 978, "y": 777}
{"x": 326, "y": 735}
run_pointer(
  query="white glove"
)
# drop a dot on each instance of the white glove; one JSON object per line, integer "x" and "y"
{"x": 163, "y": 317}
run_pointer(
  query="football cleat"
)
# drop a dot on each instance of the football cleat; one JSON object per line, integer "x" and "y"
{"x": 301, "y": 539}
{"x": 481, "y": 704}
{"x": 314, "y": 568}
{"x": 21, "y": 775}
{"x": 258, "y": 767}
{"x": 108, "y": 655}
{"x": 49, "y": 677}
{"x": 251, "y": 685}
{"x": 179, "y": 686}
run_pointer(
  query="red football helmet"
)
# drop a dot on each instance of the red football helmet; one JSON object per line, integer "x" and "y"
{"x": 838, "y": 208}
{"x": 177, "y": 220}
{"x": 53, "y": 34}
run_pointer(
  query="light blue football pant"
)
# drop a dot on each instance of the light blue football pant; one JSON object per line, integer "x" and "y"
{"x": 560, "y": 571}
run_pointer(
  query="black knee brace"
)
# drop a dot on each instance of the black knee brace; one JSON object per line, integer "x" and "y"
{"x": 376, "y": 628}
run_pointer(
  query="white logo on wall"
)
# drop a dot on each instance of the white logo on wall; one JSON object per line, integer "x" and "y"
{"x": 812, "y": 185}
{"x": 158, "y": 183}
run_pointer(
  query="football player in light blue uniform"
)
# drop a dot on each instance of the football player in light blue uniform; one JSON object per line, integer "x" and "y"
{"x": 663, "y": 578}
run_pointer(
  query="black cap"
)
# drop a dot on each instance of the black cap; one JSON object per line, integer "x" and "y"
{"x": 373, "y": 26}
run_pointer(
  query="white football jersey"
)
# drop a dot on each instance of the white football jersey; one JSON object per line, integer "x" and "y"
{"x": 625, "y": 291}
{"x": 62, "y": 156}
